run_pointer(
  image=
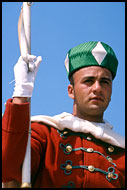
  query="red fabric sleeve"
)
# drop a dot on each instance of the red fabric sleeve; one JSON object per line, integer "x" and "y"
{"x": 15, "y": 124}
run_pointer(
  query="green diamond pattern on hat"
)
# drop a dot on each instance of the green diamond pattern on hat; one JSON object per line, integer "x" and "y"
{"x": 91, "y": 54}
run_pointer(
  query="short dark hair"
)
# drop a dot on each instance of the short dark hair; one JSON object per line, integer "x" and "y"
{"x": 72, "y": 80}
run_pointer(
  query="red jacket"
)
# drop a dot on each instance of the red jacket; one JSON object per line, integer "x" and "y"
{"x": 58, "y": 158}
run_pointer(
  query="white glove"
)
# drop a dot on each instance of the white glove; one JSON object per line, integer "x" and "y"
{"x": 25, "y": 72}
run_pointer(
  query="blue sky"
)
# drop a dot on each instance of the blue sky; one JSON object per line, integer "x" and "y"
{"x": 55, "y": 28}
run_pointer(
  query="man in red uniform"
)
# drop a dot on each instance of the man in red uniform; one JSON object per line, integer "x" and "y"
{"x": 67, "y": 150}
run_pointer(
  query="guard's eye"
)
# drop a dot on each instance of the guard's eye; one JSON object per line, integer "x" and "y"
{"x": 88, "y": 81}
{"x": 105, "y": 82}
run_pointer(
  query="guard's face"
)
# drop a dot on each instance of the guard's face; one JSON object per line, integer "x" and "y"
{"x": 91, "y": 91}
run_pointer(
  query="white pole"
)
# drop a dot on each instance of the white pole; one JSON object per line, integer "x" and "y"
{"x": 27, "y": 24}
{"x": 24, "y": 33}
{"x": 24, "y": 29}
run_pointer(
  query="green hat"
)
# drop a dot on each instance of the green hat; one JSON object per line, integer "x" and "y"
{"x": 91, "y": 54}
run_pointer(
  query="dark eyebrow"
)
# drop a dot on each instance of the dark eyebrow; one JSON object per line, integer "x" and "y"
{"x": 88, "y": 77}
{"x": 92, "y": 77}
{"x": 106, "y": 78}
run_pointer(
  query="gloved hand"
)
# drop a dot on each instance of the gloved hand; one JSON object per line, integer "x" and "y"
{"x": 25, "y": 72}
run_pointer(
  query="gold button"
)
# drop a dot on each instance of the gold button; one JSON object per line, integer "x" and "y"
{"x": 68, "y": 167}
{"x": 111, "y": 149}
{"x": 110, "y": 159}
{"x": 110, "y": 175}
{"x": 65, "y": 132}
{"x": 89, "y": 149}
{"x": 91, "y": 168}
{"x": 68, "y": 148}
{"x": 89, "y": 138}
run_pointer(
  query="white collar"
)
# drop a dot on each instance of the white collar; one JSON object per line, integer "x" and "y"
{"x": 102, "y": 131}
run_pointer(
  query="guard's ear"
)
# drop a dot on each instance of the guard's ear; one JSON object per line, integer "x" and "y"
{"x": 71, "y": 91}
